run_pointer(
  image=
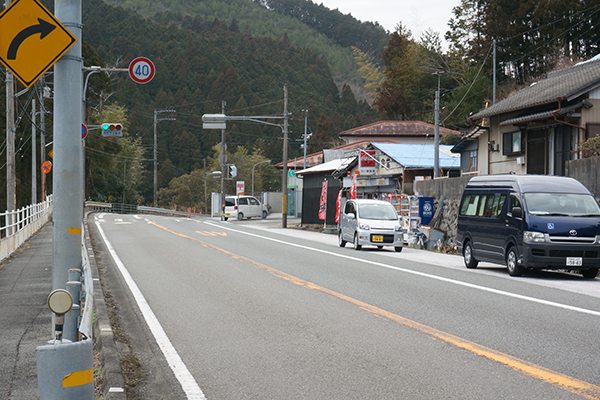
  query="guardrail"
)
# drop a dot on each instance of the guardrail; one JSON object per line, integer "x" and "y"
{"x": 120, "y": 208}
{"x": 18, "y": 226}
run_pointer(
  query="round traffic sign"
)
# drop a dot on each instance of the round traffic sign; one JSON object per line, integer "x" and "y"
{"x": 141, "y": 70}
{"x": 84, "y": 131}
{"x": 46, "y": 166}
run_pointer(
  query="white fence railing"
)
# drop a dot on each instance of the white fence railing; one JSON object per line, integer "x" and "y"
{"x": 18, "y": 226}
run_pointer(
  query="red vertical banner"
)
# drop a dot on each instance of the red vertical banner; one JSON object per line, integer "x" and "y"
{"x": 353, "y": 188}
{"x": 338, "y": 205}
{"x": 323, "y": 203}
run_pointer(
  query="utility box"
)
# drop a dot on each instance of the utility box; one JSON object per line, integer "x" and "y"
{"x": 433, "y": 235}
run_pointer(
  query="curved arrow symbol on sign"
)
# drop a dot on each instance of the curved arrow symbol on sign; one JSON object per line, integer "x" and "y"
{"x": 43, "y": 28}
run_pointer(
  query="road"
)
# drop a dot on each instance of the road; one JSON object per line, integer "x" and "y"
{"x": 242, "y": 310}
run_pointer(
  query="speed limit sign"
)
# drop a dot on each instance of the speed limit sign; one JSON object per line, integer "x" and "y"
{"x": 141, "y": 70}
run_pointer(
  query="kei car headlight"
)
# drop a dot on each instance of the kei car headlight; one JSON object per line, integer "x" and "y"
{"x": 533, "y": 237}
{"x": 364, "y": 226}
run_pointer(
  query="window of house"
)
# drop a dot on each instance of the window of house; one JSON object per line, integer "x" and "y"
{"x": 472, "y": 160}
{"x": 511, "y": 143}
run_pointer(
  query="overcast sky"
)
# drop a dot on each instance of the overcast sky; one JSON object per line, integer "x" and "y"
{"x": 416, "y": 15}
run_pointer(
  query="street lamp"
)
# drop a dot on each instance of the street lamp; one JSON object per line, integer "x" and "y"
{"x": 218, "y": 121}
{"x": 266, "y": 161}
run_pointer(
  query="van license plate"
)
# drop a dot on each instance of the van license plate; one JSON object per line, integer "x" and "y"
{"x": 377, "y": 238}
{"x": 574, "y": 261}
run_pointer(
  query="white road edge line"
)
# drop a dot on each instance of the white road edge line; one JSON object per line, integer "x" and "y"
{"x": 183, "y": 375}
{"x": 423, "y": 274}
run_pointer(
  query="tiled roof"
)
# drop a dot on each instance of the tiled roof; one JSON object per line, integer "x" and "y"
{"x": 395, "y": 128}
{"x": 568, "y": 84}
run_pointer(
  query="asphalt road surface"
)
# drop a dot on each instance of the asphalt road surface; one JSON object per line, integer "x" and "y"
{"x": 242, "y": 310}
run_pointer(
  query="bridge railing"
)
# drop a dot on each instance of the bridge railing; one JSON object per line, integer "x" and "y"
{"x": 19, "y": 225}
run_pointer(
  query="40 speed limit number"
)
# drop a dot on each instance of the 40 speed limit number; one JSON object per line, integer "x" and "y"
{"x": 141, "y": 70}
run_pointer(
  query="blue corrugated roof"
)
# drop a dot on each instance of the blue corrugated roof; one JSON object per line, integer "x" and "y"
{"x": 418, "y": 155}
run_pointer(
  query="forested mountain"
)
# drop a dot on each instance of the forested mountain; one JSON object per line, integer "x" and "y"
{"x": 201, "y": 63}
{"x": 306, "y": 24}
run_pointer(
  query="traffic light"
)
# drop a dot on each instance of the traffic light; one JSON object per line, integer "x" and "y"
{"x": 112, "y": 129}
{"x": 233, "y": 171}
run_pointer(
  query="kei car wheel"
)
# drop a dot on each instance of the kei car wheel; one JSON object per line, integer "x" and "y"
{"x": 341, "y": 241}
{"x": 240, "y": 216}
{"x": 264, "y": 215}
{"x": 470, "y": 261}
{"x": 398, "y": 249}
{"x": 356, "y": 245}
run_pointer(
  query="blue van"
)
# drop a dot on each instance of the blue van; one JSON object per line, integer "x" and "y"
{"x": 529, "y": 222}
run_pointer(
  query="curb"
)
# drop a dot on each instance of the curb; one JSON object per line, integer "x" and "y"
{"x": 113, "y": 384}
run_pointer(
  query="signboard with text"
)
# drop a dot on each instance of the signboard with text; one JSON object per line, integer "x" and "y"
{"x": 366, "y": 162}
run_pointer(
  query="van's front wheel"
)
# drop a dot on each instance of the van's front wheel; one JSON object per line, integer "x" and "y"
{"x": 590, "y": 273}
{"x": 470, "y": 261}
{"x": 514, "y": 269}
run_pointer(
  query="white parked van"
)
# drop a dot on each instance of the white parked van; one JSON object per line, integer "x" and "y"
{"x": 241, "y": 207}
{"x": 370, "y": 222}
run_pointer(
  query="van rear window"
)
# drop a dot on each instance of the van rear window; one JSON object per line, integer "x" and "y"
{"x": 482, "y": 204}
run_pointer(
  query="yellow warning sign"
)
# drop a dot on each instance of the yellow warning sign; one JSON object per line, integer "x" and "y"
{"x": 31, "y": 40}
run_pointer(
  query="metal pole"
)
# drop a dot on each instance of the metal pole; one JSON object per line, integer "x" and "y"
{"x": 33, "y": 155}
{"x": 205, "y": 188}
{"x": 42, "y": 122}
{"x": 285, "y": 158}
{"x": 67, "y": 168}
{"x": 223, "y": 159}
{"x": 305, "y": 128}
{"x": 156, "y": 121}
{"x": 155, "y": 163}
{"x": 436, "y": 155}
{"x": 124, "y": 177}
{"x": 11, "y": 181}
{"x": 494, "y": 73}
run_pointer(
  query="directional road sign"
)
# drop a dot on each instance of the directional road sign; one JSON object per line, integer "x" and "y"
{"x": 31, "y": 40}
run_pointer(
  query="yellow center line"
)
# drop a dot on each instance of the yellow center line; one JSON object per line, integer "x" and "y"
{"x": 565, "y": 382}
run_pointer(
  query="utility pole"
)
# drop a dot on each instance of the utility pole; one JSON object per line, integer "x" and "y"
{"x": 157, "y": 120}
{"x": 305, "y": 128}
{"x": 33, "y": 150}
{"x": 42, "y": 120}
{"x": 494, "y": 74}
{"x": 205, "y": 188}
{"x": 284, "y": 177}
{"x": 436, "y": 154}
{"x": 223, "y": 159}
{"x": 67, "y": 164}
{"x": 11, "y": 180}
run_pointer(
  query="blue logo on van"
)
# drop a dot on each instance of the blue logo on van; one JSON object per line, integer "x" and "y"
{"x": 550, "y": 225}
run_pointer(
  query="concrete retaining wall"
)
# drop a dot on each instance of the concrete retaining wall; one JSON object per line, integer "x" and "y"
{"x": 586, "y": 171}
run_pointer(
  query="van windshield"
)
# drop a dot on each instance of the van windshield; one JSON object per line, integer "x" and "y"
{"x": 574, "y": 205}
{"x": 378, "y": 211}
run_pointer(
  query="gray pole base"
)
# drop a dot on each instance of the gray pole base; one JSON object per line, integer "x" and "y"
{"x": 66, "y": 371}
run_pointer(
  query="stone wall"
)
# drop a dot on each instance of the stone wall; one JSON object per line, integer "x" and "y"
{"x": 449, "y": 190}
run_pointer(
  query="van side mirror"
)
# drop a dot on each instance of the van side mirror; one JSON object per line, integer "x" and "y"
{"x": 517, "y": 212}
